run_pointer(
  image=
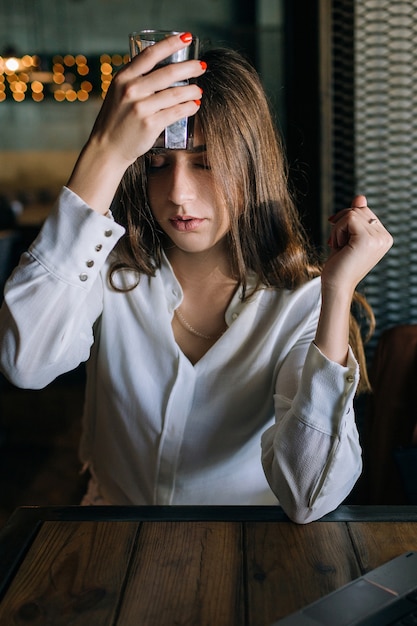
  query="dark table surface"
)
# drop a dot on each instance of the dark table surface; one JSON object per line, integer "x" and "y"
{"x": 213, "y": 566}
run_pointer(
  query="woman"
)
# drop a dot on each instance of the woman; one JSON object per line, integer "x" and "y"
{"x": 219, "y": 370}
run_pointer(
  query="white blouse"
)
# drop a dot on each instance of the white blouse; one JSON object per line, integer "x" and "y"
{"x": 263, "y": 417}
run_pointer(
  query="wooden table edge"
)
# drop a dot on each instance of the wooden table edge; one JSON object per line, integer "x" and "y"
{"x": 19, "y": 532}
{"x": 29, "y": 515}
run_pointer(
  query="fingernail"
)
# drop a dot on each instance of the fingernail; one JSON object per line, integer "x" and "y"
{"x": 198, "y": 102}
{"x": 186, "y": 37}
{"x": 203, "y": 65}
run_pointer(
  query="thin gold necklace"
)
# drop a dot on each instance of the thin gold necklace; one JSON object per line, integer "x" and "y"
{"x": 191, "y": 329}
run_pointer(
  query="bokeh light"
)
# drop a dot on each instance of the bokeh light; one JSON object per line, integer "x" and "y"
{"x": 60, "y": 77}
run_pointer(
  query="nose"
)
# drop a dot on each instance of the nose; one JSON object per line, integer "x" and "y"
{"x": 181, "y": 188}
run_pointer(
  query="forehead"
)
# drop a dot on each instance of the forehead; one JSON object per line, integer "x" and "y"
{"x": 198, "y": 135}
{"x": 199, "y": 145}
{"x": 176, "y": 153}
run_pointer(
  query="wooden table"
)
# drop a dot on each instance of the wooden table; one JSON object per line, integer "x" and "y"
{"x": 203, "y": 566}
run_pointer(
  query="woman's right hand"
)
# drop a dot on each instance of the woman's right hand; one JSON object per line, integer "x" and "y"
{"x": 140, "y": 103}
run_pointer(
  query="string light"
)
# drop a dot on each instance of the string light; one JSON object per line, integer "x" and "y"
{"x": 64, "y": 78}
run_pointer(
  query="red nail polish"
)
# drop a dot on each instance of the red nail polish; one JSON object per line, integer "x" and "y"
{"x": 186, "y": 37}
{"x": 203, "y": 65}
{"x": 198, "y": 102}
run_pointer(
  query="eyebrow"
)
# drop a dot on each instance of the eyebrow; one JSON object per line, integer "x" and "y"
{"x": 195, "y": 149}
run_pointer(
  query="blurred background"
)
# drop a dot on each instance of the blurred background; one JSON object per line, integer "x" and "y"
{"x": 340, "y": 78}
{"x": 58, "y": 59}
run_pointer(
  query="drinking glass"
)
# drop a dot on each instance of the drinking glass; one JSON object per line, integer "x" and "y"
{"x": 180, "y": 134}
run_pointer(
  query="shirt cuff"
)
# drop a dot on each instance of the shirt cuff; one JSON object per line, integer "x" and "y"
{"x": 326, "y": 391}
{"x": 75, "y": 241}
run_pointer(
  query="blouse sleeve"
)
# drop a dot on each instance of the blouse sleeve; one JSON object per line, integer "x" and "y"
{"x": 54, "y": 296}
{"x": 311, "y": 456}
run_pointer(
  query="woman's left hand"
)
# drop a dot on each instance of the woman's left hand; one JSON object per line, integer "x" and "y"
{"x": 358, "y": 241}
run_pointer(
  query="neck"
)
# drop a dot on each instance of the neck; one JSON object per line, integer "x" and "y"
{"x": 205, "y": 268}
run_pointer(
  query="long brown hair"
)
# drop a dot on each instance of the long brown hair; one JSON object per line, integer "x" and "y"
{"x": 249, "y": 168}
{"x": 248, "y": 165}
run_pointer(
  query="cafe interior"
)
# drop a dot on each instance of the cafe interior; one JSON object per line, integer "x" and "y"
{"x": 339, "y": 75}
{"x": 56, "y": 63}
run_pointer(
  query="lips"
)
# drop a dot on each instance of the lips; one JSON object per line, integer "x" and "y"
{"x": 185, "y": 223}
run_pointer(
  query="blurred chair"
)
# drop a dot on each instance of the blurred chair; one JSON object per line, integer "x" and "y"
{"x": 9, "y": 240}
{"x": 389, "y": 433}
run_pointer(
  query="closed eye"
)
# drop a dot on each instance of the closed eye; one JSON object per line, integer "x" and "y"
{"x": 200, "y": 161}
{"x": 157, "y": 161}
{"x": 160, "y": 158}
{"x": 203, "y": 165}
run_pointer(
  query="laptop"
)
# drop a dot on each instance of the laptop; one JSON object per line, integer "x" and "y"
{"x": 385, "y": 596}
